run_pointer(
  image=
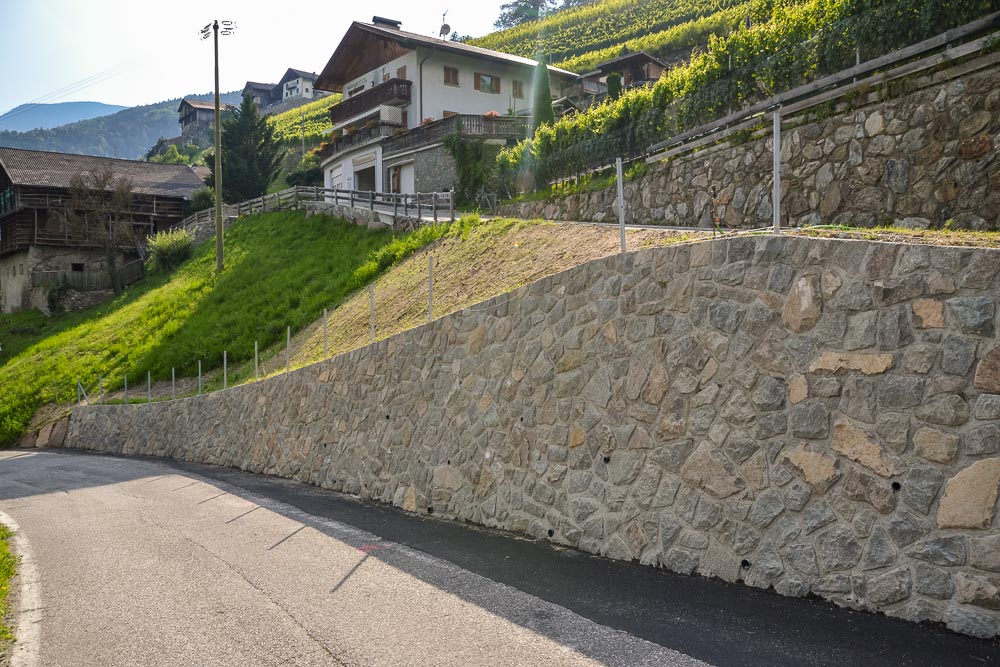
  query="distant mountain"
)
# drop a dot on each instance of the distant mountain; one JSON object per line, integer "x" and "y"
{"x": 128, "y": 133}
{"x": 42, "y": 116}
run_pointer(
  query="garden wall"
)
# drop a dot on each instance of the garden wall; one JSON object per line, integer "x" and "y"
{"x": 918, "y": 160}
{"x": 813, "y": 415}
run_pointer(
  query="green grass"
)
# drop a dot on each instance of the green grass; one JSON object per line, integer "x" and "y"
{"x": 282, "y": 269}
{"x": 8, "y": 567}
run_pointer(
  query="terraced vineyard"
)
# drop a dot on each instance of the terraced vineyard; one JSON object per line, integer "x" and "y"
{"x": 313, "y": 117}
{"x": 570, "y": 37}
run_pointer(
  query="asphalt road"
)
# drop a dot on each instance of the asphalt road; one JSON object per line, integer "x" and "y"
{"x": 150, "y": 562}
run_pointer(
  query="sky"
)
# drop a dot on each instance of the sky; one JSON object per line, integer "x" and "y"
{"x": 145, "y": 51}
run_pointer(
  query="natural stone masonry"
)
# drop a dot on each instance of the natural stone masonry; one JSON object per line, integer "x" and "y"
{"x": 924, "y": 159}
{"x": 813, "y": 415}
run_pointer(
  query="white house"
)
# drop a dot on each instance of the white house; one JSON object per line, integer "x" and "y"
{"x": 404, "y": 92}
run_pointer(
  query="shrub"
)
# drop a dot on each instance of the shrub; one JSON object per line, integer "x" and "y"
{"x": 168, "y": 249}
{"x": 201, "y": 199}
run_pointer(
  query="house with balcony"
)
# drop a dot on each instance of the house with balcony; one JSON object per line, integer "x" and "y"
{"x": 39, "y": 237}
{"x": 404, "y": 92}
{"x": 295, "y": 87}
{"x": 197, "y": 119}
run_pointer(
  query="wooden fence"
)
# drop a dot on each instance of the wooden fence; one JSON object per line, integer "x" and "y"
{"x": 424, "y": 205}
{"x": 89, "y": 281}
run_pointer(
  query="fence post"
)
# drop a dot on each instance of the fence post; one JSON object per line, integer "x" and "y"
{"x": 100, "y": 390}
{"x": 199, "y": 377}
{"x": 451, "y": 205}
{"x": 395, "y": 205}
{"x": 420, "y": 212}
{"x": 430, "y": 288}
{"x": 256, "y": 376}
{"x": 173, "y": 384}
{"x": 777, "y": 170}
{"x": 434, "y": 205}
{"x": 288, "y": 349}
{"x": 78, "y": 399}
{"x": 352, "y": 198}
{"x": 126, "y": 388}
{"x": 324, "y": 334}
{"x": 406, "y": 205}
{"x": 149, "y": 386}
{"x": 371, "y": 200}
{"x": 371, "y": 310}
{"x": 621, "y": 201}
{"x": 225, "y": 370}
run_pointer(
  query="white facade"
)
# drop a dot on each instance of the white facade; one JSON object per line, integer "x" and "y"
{"x": 434, "y": 95}
{"x": 297, "y": 88}
{"x": 353, "y": 170}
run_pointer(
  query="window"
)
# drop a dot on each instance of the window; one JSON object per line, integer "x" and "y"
{"x": 385, "y": 77}
{"x": 401, "y": 72}
{"x": 360, "y": 88}
{"x": 518, "y": 89}
{"x": 451, "y": 76}
{"x": 487, "y": 83}
{"x": 76, "y": 268}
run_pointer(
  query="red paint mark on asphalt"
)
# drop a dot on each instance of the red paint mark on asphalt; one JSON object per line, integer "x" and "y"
{"x": 368, "y": 548}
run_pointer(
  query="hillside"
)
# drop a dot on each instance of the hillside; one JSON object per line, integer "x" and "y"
{"x": 312, "y": 120}
{"x": 126, "y": 134}
{"x": 579, "y": 38}
{"x": 306, "y": 265}
{"x": 43, "y": 116}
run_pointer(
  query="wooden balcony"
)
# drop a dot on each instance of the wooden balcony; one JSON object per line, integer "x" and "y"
{"x": 394, "y": 92}
{"x": 468, "y": 125}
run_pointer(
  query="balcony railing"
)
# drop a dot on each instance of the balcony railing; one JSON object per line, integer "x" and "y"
{"x": 472, "y": 125}
{"x": 365, "y": 135}
{"x": 393, "y": 92}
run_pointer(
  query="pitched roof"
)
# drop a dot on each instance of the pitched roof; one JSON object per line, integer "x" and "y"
{"x": 197, "y": 104}
{"x": 624, "y": 60}
{"x": 292, "y": 74}
{"x": 55, "y": 170}
{"x": 355, "y": 55}
{"x": 254, "y": 85}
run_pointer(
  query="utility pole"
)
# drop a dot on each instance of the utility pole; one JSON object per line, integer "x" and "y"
{"x": 227, "y": 29}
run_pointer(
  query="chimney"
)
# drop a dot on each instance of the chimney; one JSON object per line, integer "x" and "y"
{"x": 386, "y": 23}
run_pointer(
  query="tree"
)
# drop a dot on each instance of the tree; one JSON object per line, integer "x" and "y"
{"x": 99, "y": 213}
{"x": 251, "y": 155}
{"x": 516, "y": 12}
{"x": 614, "y": 86}
{"x": 542, "y": 102}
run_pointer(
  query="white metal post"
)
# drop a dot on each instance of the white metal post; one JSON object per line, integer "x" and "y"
{"x": 776, "y": 197}
{"x": 225, "y": 370}
{"x": 621, "y": 201}
{"x": 78, "y": 400}
{"x": 256, "y": 375}
{"x": 126, "y": 389}
{"x": 199, "y": 377}
{"x": 430, "y": 288}
{"x": 288, "y": 349}
{"x": 324, "y": 334}
{"x": 149, "y": 386}
{"x": 100, "y": 390}
{"x": 371, "y": 311}
{"x": 173, "y": 384}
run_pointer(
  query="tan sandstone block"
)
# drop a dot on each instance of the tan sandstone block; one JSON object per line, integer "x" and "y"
{"x": 970, "y": 497}
{"x": 818, "y": 470}
{"x": 869, "y": 364}
{"x": 410, "y": 500}
{"x": 577, "y": 436}
{"x": 798, "y": 389}
{"x": 935, "y": 445}
{"x": 928, "y": 313}
{"x": 863, "y": 447}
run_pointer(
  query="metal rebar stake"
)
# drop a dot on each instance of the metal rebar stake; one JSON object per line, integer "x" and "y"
{"x": 173, "y": 384}
{"x": 371, "y": 311}
{"x": 149, "y": 386}
{"x": 256, "y": 375}
{"x": 430, "y": 288}
{"x": 225, "y": 370}
{"x": 199, "y": 377}
{"x": 621, "y": 201}
{"x": 324, "y": 334}
{"x": 288, "y": 349}
{"x": 777, "y": 170}
{"x": 126, "y": 388}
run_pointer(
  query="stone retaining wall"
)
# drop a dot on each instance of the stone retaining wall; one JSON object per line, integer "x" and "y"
{"x": 813, "y": 415}
{"x": 919, "y": 160}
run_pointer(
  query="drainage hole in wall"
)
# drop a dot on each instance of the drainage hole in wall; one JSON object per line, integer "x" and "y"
{"x": 895, "y": 486}
{"x": 430, "y": 510}
{"x": 607, "y": 459}
{"x": 387, "y": 416}
{"x": 551, "y": 532}
{"x": 745, "y": 564}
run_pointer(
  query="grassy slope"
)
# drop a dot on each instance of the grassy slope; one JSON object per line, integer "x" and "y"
{"x": 8, "y": 566}
{"x": 282, "y": 270}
